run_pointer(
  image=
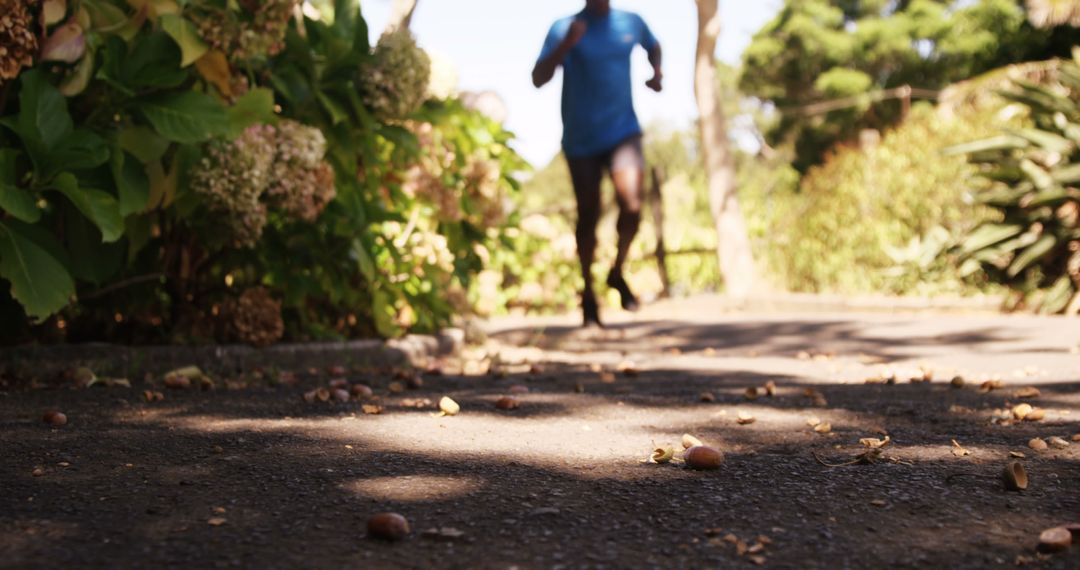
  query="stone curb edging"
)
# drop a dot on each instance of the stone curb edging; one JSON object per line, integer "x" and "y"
{"x": 43, "y": 361}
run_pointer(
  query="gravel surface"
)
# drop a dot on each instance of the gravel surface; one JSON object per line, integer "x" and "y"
{"x": 251, "y": 475}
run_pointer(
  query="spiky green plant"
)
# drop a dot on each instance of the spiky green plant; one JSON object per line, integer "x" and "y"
{"x": 1035, "y": 173}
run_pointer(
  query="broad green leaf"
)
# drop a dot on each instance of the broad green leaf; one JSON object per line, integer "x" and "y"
{"x": 105, "y": 16}
{"x": 98, "y": 206}
{"x": 1032, "y": 254}
{"x": 81, "y": 150}
{"x": 43, "y": 113}
{"x": 337, "y": 113}
{"x": 989, "y": 234}
{"x": 256, "y": 107}
{"x": 187, "y": 117}
{"x": 132, "y": 184}
{"x": 38, "y": 280}
{"x": 143, "y": 143}
{"x": 153, "y": 62}
{"x": 90, "y": 259}
{"x": 16, "y": 201}
{"x": 186, "y": 36}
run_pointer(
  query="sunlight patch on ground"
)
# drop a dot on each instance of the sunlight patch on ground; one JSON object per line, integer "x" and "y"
{"x": 415, "y": 488}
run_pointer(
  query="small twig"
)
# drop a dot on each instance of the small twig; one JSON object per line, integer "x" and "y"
{"x": 121, "y": 285}
{"x": 862, "y": 459}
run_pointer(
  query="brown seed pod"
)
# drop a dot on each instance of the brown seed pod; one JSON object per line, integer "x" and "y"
{"x": 507, "y": 403}
{"x": 388, "y": 526}
{"x": 1055, "y": 539}
{"x": 1014, "y": 476}
{"x": 361, "y": 391}
{"x": 703, "y": 457}
{"x": 177, "y": 382}
{"x": 55, "y": 418}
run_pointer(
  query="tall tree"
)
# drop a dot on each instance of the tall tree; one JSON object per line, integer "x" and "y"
{"x": 734, "y": 253}
{"x": 816, "y": 50}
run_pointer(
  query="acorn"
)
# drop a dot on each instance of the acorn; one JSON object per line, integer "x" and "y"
{"x": 1021, "y": 411}
{"x": 703, "y": 457}
{"x": 1055, "y": 539}
{"x": 1015, "y": 477}
{"x": 448, "y": 406}
{"x": 957, "y": 382}
{"x": 507, "y": 403}
{"x": 388, "y": 526}
{"x": 361, "y": 391}
{"x": 55, "y": 418}
{"x": 340, "y": 395}
{"x": 177, "y": 382}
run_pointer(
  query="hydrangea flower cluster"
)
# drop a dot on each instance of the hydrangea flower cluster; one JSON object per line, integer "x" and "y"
{"x": 253, "y": 318}
{"x": 301, "y": 182}
{"x": 257, "y": 31}
{"x": 396, "y": 83}
{"x": 18, "y": 44}
{"x": 267, "y": 166}
{"x": 231, "y": 178}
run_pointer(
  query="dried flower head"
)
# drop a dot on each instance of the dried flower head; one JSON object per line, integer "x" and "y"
{"x": 18, "y": 44}
{"x": 255, "y": 32}
{"x": 396, "y": 83}
{"x": 253, "y": 318}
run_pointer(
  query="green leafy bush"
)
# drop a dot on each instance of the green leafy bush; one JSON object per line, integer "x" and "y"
{"x": 872, "y": 219}
{"x": 163, "y": 164}
{"x": 1033, "y": 246}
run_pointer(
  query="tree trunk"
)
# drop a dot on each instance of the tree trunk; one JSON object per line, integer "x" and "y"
{"x": 400, "y": 15}
{"x": 734, "y": 253}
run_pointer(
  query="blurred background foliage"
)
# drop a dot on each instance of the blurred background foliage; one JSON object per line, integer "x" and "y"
{"x": 251, "y": 172}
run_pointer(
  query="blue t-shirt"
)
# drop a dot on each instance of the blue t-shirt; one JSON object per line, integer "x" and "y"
{"x": 597, "y": 97}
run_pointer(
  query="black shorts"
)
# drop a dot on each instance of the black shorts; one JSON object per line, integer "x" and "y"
{"x": 626, "y": 155}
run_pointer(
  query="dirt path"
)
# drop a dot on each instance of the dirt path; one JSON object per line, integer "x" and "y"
{"x": 559, "y": 483}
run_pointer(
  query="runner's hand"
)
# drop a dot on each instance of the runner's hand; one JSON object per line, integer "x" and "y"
{"x": 576, "y": 32}
{"x": 656, "y": 83}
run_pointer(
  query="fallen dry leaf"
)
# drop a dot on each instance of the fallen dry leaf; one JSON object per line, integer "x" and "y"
{"x": 1038, "y": 444}
{"x": 1017, "y": 455}
{"x": 689, "y": 441}
{"x": 874, "y": 443}
{"x": 1028, "y": 392}
{"x": 991, "y": 385}
{"x": 662, "y": 454}
{"x": 958, "y": 450}
{"x": 744, "y": 418}
{"x": 448, "y": 407}
{"x": 1020, "y": 411}
{"x": 1014, "y": 477}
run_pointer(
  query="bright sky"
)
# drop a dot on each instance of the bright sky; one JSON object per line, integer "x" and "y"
{"x": 494, "y": 44}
